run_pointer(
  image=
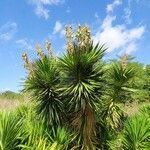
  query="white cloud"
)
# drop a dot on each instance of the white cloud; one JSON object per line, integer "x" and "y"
{"x": 107, "y": 22}
{"x": 111, "y": 7}
{"x": 24, "y": 44}
{"x": 41, "y": 9}
{"x": 127, "y": 15}
{"x": 59, "y": 28}
{"x": 49, "y": 2}
{"x": 128, "y": 12}
{"x": 118, "y": 37}
{"x": 42, "y": 12}
{"x": 7, "y": 31}
{"x": 96, "y": 15}
{"x": 128, "y": 9}
{"x": 131, "y": 48}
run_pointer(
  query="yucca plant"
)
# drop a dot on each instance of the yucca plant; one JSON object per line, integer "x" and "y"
{"x": 136, "y": 134}
{"x": 115, "y": 143}
{"x": 112, "y": 115}
{"x": 82, "y": 86}
{"x": 145, "y": 109}
{"x": 10, "y": 131}
{"x": 120, "y": 74}
{"x": 43, "y": 82}
{"x": 119, "y": 80}
{"x": 34, "y": 129}
{"x": 63, "y": 137}
{"x": 110, "y": 122}
{"x": 42, "y": 144}
{"x": 35, "y": 135}
{"x": 74, "y": 89}
{"x": 117, "y": 91}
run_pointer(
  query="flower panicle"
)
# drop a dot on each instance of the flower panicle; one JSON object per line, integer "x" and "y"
{"x": 27, "y": 64}
{"x": 69, "y": 38}
{"x": 124, "y": 61}
{"x": 39, "y": 51}
{"x": 83, "y": 35}
{"x": 48, "y": 47}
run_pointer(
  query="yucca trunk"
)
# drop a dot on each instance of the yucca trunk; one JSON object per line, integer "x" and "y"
{"x": 89, "y": 127}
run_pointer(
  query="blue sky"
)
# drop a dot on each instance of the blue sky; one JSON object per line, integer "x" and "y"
{"x": 124, "y": 25}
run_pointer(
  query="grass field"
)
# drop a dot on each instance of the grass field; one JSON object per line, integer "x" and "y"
{"x": 10, "y": 100}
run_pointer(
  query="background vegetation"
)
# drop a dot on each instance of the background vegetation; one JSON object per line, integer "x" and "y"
{"x": 78, "y": 101}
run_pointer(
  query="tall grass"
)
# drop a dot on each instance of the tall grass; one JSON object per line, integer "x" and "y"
{"x": 11, "y": 100}
{"x": 11, "y": 95}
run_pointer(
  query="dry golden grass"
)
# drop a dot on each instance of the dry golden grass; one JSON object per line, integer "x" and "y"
{"x": 7, "y": 104}
{"x": 132, "y": 108}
